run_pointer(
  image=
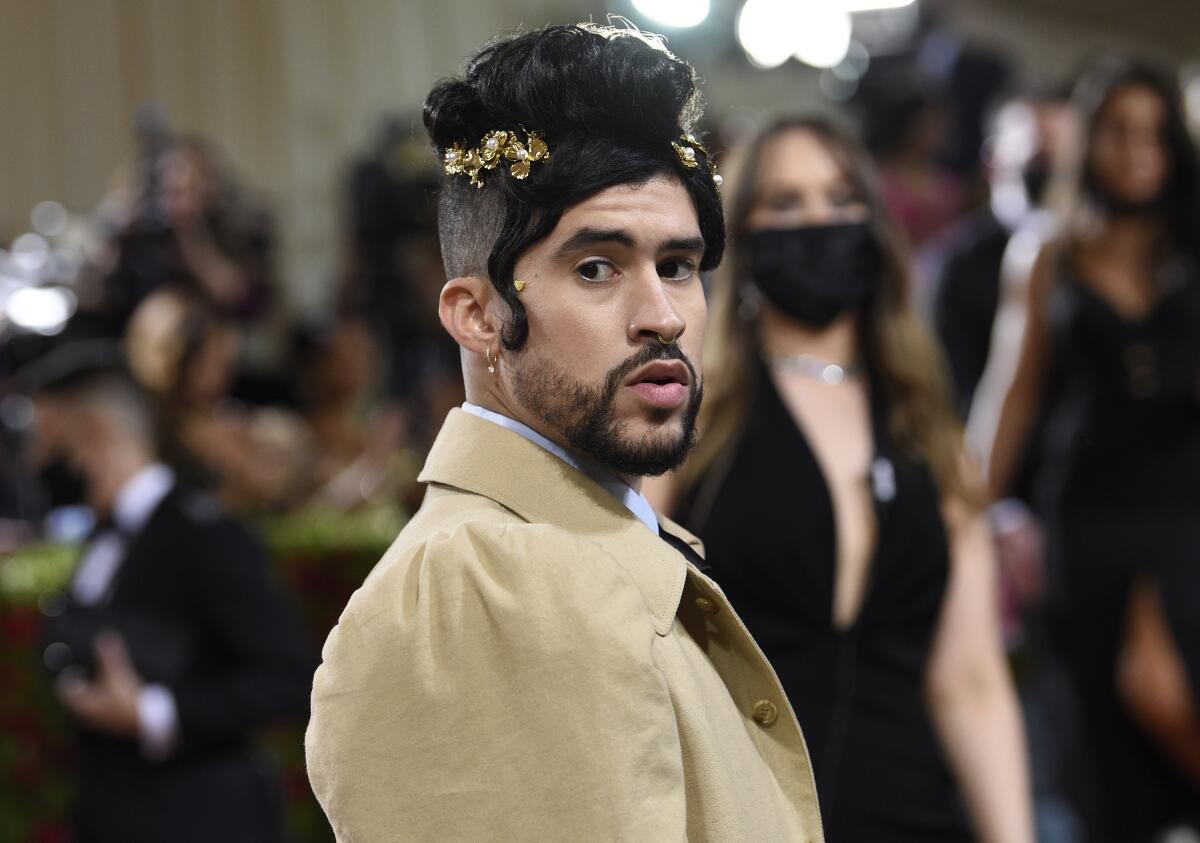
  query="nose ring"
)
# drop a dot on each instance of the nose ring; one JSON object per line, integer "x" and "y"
{"x": 666, "y": 341}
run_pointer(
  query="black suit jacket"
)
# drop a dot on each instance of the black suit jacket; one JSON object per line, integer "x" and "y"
{"x": 201, "y": 614}
{"x": 967, "y": 297}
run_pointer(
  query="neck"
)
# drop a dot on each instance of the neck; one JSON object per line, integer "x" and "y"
{"x": 1132, "y": 237}
{"x": 491, "y": 399}
{"x": 109, "y": 476}
{"x": 781, "y": 335}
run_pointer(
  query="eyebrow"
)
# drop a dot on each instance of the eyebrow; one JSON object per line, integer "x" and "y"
{"x": 683, "y": 244}
{"x": 586, "y": 237}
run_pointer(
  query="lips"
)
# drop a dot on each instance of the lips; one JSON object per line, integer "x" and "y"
{"x": 662, "y": 384}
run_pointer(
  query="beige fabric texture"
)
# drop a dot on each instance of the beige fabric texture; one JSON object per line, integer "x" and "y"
{"x": 529, "y": 662}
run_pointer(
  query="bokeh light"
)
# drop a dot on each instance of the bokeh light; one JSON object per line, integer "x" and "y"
{"x": 675, "y": 13}
{"x": 43, "y": 310}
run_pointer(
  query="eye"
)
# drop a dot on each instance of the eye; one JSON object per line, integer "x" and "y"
{"x": 676, "y": 269}
{"x": 596, "y": 271}
{"x": 783, "y": 201}
{"x": 842, "y": 198}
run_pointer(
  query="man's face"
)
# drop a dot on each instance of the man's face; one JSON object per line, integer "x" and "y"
{"x": 618, "y": 275}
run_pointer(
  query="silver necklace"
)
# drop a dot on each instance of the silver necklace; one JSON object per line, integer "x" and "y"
{"x": 814, "y": 367}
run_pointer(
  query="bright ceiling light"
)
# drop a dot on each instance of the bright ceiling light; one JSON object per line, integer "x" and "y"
{"x": 823, "y": 37}
{"x": 767, "y": 29}
{"x": 871, "y": 5}
{"x": 41, "y": 309}
{"x": 817, "y": 32}
{"x": 675, "y": 13}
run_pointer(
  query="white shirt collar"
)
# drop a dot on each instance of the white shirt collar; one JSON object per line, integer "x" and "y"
{"x": 140, "y": 496}
{"x": 632, "y": 500}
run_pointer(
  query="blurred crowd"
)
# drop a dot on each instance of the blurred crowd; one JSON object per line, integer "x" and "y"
{"x": 267, "y": 409}
{"x": 1051, "y": 243}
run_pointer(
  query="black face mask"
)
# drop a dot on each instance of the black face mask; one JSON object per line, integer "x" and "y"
{"x": 815, "y": 273}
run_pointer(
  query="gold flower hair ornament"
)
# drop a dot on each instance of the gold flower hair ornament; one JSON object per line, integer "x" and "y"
{"x": 496, "y": 147}
{"x": 687, "y": 156}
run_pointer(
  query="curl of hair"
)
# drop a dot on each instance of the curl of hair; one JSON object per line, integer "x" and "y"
{"x": 608, "y": 102}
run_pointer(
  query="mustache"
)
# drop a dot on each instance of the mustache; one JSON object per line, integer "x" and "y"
{"x": 649, "y": 354}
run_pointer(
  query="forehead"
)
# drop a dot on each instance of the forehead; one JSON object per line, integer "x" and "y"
{"x": 797, "y": 158}
{"x": 654, "y": 210}
{"x": 1134, "y": 102}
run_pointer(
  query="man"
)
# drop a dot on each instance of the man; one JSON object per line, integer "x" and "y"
{"x": 1028, "y": 132}
{"x": 538, "y": 656}
{"x": 174, "y": 646}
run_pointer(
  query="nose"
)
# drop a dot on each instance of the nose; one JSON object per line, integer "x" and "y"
{"x": 819, "y": 212}
{"x": 653, "y": 313}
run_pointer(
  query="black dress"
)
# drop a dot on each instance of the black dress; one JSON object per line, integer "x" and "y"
{"x": 766, "y": 517}
{"x": 1127, "y": 507}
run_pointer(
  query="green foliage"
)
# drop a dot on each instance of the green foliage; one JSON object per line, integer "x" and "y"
{"x": 320, "y": 555}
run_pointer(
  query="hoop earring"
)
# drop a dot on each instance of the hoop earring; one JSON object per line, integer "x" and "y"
{"x": 487, "y": 353}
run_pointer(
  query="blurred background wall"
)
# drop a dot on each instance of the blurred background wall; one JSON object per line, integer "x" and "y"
{"x": 289, "y": 89}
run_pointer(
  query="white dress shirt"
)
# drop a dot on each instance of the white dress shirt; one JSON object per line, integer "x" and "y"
{"x": 135, "y": 502}
{"x": 632, "y": 499}
{"x": 133, "y": 505}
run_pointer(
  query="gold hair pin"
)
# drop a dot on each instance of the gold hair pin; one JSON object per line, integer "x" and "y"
{"x": 687, "y": 156}
{"x": 496, "y": 146}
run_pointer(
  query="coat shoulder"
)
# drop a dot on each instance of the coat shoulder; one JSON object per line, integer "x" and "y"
{"x": 444, "y": 584}
{"x": 491, "y": 641}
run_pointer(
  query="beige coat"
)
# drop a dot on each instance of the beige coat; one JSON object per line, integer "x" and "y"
{"x": 529, "y": 662}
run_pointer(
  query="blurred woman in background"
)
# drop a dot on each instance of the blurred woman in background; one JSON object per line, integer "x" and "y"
{"x": 1114, "y": 304}
{"x": 357, "y": 440}
{"x": 190, "y": 226}
{"x": 185, "y": 354}
{"x": 829, "y": 489}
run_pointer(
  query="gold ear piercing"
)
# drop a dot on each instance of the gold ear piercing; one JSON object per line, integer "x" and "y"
{"x": 487, "y": 353}
{"x": 518, "y": 284}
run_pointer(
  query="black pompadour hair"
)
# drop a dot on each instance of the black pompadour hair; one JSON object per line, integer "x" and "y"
{"x": 607, "y": 101}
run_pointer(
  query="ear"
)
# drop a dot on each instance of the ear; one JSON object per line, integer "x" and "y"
{"x": 467, "y": 307}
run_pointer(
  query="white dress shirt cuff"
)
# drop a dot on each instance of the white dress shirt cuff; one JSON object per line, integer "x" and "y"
{"x": 158, "y": 722}
{"x": 1009, "y": 516}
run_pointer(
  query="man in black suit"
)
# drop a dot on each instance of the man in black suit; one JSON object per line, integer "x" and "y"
{"x": 1026, "y": 134}
{"x": 175, "y": 646}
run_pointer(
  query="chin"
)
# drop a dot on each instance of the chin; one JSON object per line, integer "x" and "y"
{"x": 667, "y": 430}
{"x": 651, "y": 421}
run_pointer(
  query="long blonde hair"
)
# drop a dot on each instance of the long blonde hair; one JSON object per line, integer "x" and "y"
{"x": 896, "y": 347}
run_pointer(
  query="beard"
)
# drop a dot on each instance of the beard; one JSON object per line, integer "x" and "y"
{"x": 585, "y": 415}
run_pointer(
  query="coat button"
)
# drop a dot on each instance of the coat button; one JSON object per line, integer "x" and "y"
{"x": 707, "y": 606}
{"x": 765, "y": 713}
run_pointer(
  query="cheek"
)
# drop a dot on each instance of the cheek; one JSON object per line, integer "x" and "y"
{"x": 761, "y": 218}
{"x": 578, "y": 340}
{"x": 695, "y": 312}
{"x": 1158, "y": 163}
{"x": 1104, "y": 164}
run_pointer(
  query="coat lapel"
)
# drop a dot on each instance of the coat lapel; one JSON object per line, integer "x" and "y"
{"x": 475, "y": 455}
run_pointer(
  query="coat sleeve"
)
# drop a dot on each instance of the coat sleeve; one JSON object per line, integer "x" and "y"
{"x": 265, "y": 658}
{"x": 496, "y": 684}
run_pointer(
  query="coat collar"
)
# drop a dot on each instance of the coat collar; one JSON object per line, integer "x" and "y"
{"x": 478, "y": 456}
